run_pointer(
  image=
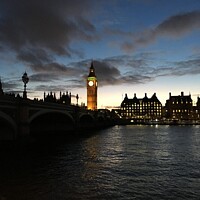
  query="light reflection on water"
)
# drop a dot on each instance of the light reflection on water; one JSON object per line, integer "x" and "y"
{"x": 122, "y": 162}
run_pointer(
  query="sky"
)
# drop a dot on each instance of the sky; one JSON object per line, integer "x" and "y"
{"x": 137, "y": 46}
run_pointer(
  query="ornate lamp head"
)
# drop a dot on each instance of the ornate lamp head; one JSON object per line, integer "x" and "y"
{"x": 25, "y": 78}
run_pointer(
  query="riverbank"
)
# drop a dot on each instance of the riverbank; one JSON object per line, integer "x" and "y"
{"x": 156, "y": 122}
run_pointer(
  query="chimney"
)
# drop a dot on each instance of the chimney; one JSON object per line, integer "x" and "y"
{"x": 182, "y": 94}
{"x": 134, "y": 94}
{"x": 170, "y": 94}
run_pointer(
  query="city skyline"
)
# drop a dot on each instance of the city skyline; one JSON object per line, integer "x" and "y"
{"x": 146, "y": 46}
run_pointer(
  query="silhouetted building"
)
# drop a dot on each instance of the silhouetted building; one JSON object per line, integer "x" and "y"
{"x": 179, "y": 107}
{"x": 50, "y": 97}
{"x": 145, "y": 108}
{"x": 1, "y": 88}
{"x": 92, "y": 89}
{"x": 65, "y": 98}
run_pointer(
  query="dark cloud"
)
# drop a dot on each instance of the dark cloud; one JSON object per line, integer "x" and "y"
{"x": 56, "y": 70}
{"x": 51, "y": 88}
{"x": 118, "y": 70}
{"x": 174, "y": 26}
{"x": 137, "y": 79}
{"x": 187, "y": 67}
{"x": 34, "y": 57}
{"x": 141, "y": 69}
{"x": 43, "y": 77}
{"x": 38, "y": 32}
{"x": 179, "y": 68}
{"x": 36, "y": 29}
{"x": 60, "y": 87}
{"x": 12, "y": 86}
{"x": 107, "y": 74}
{"x": 179, "y": 25}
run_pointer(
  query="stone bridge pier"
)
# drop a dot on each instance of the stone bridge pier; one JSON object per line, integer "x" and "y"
{"x": 23, "y": 120}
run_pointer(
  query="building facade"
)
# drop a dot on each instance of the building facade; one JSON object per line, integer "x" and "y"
{"x": 92, "y": 89}
{"x": 196, "y": 110}
{"x": 144, "y": 108}
{"x": 179, "y": 107}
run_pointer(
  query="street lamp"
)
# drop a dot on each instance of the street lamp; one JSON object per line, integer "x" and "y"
{"x": 25, "y": 80}
{"x": 77, "y": 97}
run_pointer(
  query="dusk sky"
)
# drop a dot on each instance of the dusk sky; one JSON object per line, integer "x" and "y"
{"x": 138, "y": 46}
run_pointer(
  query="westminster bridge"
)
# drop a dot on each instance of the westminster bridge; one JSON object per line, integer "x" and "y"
{"x": 21, "y": 118}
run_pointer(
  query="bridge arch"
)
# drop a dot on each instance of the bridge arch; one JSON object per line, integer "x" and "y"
{"x": 8, "y": 127}
{"x": 86, "y": 121}
{"x": 48, "y": 121}
{"x": 85, "y": 117}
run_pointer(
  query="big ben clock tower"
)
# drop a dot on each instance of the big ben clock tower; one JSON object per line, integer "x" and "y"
{"x": 92, "y": 89}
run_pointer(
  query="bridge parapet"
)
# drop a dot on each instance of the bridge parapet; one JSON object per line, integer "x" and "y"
{"x": 23, "y": 116}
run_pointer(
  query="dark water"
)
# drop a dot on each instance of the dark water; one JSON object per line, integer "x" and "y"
{"x": 122, "y": 162}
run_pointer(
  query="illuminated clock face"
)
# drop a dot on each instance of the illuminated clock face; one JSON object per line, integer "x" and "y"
{"x": 90, "y": 83}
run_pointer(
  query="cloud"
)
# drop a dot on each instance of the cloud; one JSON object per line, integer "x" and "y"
{"x": 43, "y": 77}
{"x": 51, "y": 88}
{"x": 34, "y": 57}
{"x": 12, "y": 87}
{"x": 37, "y": 29}
{"x": 53, "y": 67}
{"x": 187, "y": 67}
{"x": 179, "y": 25}
{"x": 53, "y": 72}
{"x": 109, "y": 73}
{"x": 141, "y": 69}
{"x": 174, "y": 27}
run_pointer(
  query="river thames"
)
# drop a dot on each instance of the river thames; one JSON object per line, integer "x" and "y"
{"x": 121, "y": 163}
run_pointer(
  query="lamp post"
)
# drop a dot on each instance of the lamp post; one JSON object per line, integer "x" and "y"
{"x": 25, "y": 80}
{"x": 77, "y": 97}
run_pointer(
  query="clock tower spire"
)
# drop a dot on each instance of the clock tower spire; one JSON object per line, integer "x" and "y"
{"x": 92, "y": 89}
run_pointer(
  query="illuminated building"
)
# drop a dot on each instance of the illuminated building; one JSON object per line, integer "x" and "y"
{"x": 196, "y": 110}
{"x": 145, "y": 108}
{"x": 179, "y": 107}
{"x": 92, "y": 89}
